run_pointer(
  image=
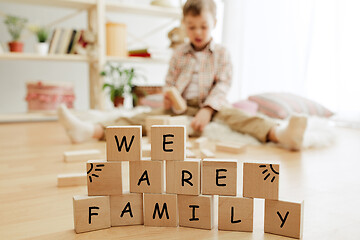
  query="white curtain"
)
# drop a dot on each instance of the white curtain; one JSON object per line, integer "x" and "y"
{"x": 307, "y": 47}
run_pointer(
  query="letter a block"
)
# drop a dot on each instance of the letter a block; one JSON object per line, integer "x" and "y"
{"x": 219, "y": 177}
{"x": 261, "y": 180}
{"x": 284, "y": 218}
{"x": 183, "y": 177}
{"x": 236, "y": 214}
{"x": 123, "y": 143}
{"x": 146, "y": 176}
{"x": 160, "y": 210}
{"x": 126, "y": 209}
{"x": 91, "y": 213}
{"x": 196, "y": 211}
{"x": 104, "y": 178}
{"x": 168, "y": 142}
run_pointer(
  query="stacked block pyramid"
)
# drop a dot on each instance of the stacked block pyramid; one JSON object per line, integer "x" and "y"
{"x": 169, "y": 190}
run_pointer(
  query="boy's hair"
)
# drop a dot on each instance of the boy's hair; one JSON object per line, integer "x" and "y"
{"x": 196, "y": 7}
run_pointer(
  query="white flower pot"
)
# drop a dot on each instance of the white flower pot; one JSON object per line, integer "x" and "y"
{"x": 42, "y": 48}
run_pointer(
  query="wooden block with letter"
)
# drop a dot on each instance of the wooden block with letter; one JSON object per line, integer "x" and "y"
{"x": 81, "y": 155}
{"x": 284, "y": 218}
{"x": 91, "y": 213}
{"x": 160, "y": 210}
{"x": 146, "y": 176}
{"x": 196, "y": 211}
{"x": 123, "y": 143}
{"x": 168, "y": 142}
{"x": 261, "y": 180}
{"x": 236, "y": 214}
{"x": 126, "y": 209}
{"x": 178, "y": 103}
{"x": 230, "y": 148}
{"x": 104, "y": 178}
{"x": 219, "y": 177}
{"x": 71, "y": 179}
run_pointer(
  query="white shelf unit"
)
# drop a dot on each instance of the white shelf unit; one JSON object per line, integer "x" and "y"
{"x": 96, "y": 11}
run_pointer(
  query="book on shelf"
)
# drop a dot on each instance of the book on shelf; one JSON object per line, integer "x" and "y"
{"x": 66, "y": 41}
{"x": 139, "y": 53}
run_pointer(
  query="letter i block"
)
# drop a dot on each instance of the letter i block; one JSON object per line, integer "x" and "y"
{"x": 123, "y": 143}
{"x": 104, "y": 178}
{"x": 284, "y": 218}
{"x": 168, "y": 142}
{"x": 236, "y": 214}
{"x": 183, "y": 177}
{"x": 91, "y": 213}
{"x": 146, "y": 176}
{"x": 196, "y": 211}
{"x": 219, "y": 177}
{"x": 126, "y": 209}
{"x": 261, "y": 180}
{"x": 160, "y": 210}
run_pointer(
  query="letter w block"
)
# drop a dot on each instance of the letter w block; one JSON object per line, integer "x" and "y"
{"x": 123, "y": 143}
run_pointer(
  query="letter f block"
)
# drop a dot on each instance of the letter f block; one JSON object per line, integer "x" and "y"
{"x": 123, "y": 143}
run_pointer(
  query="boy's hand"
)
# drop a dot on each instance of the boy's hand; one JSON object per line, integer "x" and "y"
{"x": 202, "y": 118}
{"x": 167, "y": 101}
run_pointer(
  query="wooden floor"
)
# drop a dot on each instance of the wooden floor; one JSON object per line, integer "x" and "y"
{"x": 33, "y": 207}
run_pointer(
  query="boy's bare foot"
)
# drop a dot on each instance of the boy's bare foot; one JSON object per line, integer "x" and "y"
{"x": 78, "y": 130}
{"x": 292, "y": 135}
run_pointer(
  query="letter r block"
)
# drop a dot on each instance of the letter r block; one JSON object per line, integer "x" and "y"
{"x": 160, "y": 210}
{"x": 123, "y": 143}
{"x": 219, "y": 177}
{"x": 91, "y": 213}
{"x": 168, "y": 142}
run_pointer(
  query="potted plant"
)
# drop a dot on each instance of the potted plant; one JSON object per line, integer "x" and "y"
{"x": 42, "y": 34}
{"x": 119, "y": 81}
{"x": 15, "y": 25}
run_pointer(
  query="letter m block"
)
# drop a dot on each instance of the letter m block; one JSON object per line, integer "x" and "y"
{"x": 123, "y": 143}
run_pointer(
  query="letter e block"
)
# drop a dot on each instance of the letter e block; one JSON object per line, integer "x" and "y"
{"x": 104, "y": 178}
{"x": 91, "y": 213}
{"x": 196, "y": 211}
{"x": 160, "y": 210}
{"x": 168, "y": 142}
{"x": 146, "y": 176}
{"x": 236, "y": 214}
{"x": 261, "y": 180}
{"x": 284, "y": 218}
{"x": 219, "y": 177}
{"x": 123, "y": 143}
{"x": 126, "y": 209}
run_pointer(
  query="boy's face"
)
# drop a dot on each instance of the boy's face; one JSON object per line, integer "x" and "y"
{"x": 199, "y": 28}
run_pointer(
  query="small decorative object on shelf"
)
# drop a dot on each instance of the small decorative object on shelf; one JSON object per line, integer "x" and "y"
{"x": 42, "y": 34}
{"x": 15, "y": 25}
{"x": 116, "y": 40}
{"x": 47, "y": 96}
{"x": 119, "y": 81}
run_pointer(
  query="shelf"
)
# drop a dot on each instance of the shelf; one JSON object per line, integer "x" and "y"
{"x": 137, "y": 60}
{"x": 50, "y": 57}
{"x": 78, "y": 4}
{"x": 143, "y": 9}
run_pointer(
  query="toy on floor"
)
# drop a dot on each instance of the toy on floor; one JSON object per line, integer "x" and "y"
{"x": 191, "y": 184}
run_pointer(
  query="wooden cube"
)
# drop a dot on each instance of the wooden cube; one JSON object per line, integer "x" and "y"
{"x": 168, "y": 142}
{"x": 190, "y": 154}
{"x": 123, "y": 143}
{"x": 156, "y": 120}
{"x": 71, "y": 179}
{"x": 81, "y": 155}
{"x": 205, "y": 153}
{"x": 261, "y": 180}
{"x": 284, "y": 218}
{"x": 146, "y": 176}
{"x": 200, "y": 142}
{"x": 219, "y": 177}
{"x": 178, "y": 120}
{"x": 91, "y": 213}
{"x": 160, "y": 210}
{"x": 126, "y": 209}
{"x": 196, "y": 211}
{"x": 236, "y": 214}
{"x": 170, "y": 176}
{"x": 178, "y": 103}
{"x": 230, "y": 148}
{"x": 104, "y": 178}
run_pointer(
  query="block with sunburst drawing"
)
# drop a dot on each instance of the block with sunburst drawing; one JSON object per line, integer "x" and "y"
{"x": 104, "y": 178}
{"x": 261, "y": 180}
